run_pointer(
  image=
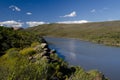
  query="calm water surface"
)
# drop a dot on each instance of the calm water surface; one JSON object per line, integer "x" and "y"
{"x": 88, "y": 55}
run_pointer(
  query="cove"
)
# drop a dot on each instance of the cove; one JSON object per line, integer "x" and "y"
{"x": 88, "y": 55}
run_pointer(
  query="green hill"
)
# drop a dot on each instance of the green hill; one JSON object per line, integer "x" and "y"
{"x": 100, "y": 32}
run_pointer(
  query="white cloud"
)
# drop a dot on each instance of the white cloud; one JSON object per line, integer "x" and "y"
{"x": 73, "y": 22}
{"x": 101, "y": 10}
{"x": 14, "y": 8}
{"x": 93, "y": 11}
{"x": 11, "y": 23}
{"x": 72, "y": 14}
{"x": 29, "y": 13}
{"x": 35, "y": 23}
{"x": 104, "y": 9}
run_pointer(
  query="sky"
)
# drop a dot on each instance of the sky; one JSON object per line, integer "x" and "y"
{"x": 29, "y": 13}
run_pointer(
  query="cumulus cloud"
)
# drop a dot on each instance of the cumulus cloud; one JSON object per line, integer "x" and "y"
{"x": 72, "y": 14}
{"x": 93, "y": 11}
{"x": 29, "y": 13}
{"x": 35, "y": 23}
{"x": 14, "y": 8}
{"x": 73, "y": 22}
{"x": 11, "y": 23}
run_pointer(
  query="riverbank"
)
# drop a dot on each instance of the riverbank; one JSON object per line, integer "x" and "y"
{"x": 38, "y": 62}
{"x": 88, "y": 55}
{"x": 80, "y": 73}
{"x": 99, "y": 32}
{"x": 88, "y": 40}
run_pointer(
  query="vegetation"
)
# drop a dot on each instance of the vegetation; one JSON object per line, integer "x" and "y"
{"x": 10, "y": 38}
{"x": 17, "y": 66}
{"x": 27, "y": 51}
{"x": 99, "y": 32}
{"x": 35, "y": 61}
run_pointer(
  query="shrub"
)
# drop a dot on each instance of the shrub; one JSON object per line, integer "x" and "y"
{"x": 28, "y": 51}
{"x": 34, "y": 44}
{"x": 93, "y": 72}
{"x": 12, "y": 52}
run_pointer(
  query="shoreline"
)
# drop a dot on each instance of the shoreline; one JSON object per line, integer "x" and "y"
{"x": 93, "y": 42}
{"x": 77, "y": 66}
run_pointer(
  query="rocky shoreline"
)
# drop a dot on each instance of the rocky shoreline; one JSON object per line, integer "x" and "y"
{"x": 46, "y": 53}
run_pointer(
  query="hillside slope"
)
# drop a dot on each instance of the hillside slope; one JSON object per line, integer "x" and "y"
{"x": 100, "y": 32}
{"x": 10, "y": 38}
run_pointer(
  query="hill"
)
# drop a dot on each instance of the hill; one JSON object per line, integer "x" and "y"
{"x": 100, "y": 32}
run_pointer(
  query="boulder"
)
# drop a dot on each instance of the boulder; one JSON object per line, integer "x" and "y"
{"x": 37, "y": 48}
{"x": 46, "y": 49}
{"x": 44, "y": 45}
{"x": 45, "y": 53}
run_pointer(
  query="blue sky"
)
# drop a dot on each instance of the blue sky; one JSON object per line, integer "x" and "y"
{"x": 24, "y": 13}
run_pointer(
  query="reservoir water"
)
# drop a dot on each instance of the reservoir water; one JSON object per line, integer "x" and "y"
{"x": 88, "y": 55}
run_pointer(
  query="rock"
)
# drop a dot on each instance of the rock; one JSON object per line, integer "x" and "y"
{"x": 37, "y": 48}
{"x": 37, "y": 56}
{"x": 44, "y": 45}
{"x": 45, "y": 53}
{"x": 53, "y": 61}
{"x": 46, "y": 49}
{"x": 53, "y": 51}
{"x": 30, "y": 58}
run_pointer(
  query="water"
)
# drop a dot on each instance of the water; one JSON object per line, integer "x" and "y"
{"x": 88, "y": 55}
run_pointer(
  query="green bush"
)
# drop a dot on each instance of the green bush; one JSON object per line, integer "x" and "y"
{"x": 34, "y": 44}
{"x": 10, "y": 38}
{"x": 28, "y": 51}
{"x": 12, "y": 52}
{"x": 93, "y": 72}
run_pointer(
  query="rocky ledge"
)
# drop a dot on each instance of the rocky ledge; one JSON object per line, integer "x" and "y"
{"x": 64, "y": 71}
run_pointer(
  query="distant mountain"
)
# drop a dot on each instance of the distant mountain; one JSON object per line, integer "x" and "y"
{"x": 17, "y": 28}
{"x": 101, "y": 32}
